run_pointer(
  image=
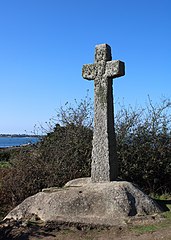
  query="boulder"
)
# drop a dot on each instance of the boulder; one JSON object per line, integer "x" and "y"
{"x": 80, "y": 201}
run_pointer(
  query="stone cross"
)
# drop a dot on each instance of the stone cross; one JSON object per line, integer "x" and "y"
{"x": 104, "y": 158}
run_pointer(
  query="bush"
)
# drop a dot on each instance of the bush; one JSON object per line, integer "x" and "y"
{"x": 63, "y": 154}
{"x": 23, "y": 178}
{"x": 144, "y": 146}
{"x": 67, "y": 151}
{"x": 4, "y": 156}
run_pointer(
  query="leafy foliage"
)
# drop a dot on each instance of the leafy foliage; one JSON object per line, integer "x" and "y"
{"x": 4, "y": 156}
{"x": 63, "y": 154}
{"x": 144, "y": 146}
{"x": 68, "y": 151}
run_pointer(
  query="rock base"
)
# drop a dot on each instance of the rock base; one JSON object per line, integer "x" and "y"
{"x": 80, "y": 201}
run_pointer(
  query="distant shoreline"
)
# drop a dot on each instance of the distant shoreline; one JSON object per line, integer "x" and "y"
{"x": 19, "y": 135}
{"x": 15, "y": 141}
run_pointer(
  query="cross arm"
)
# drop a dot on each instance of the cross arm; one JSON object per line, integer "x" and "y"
{"x": 89, "y": 71}
{"x": 115, "y": 69}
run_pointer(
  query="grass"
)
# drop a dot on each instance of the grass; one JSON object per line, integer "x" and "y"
{"x": 4, "y": 164}
{"x": 166, "y": 222}
{"x": 144, "y": 229}
{"x": 167, "y": 215}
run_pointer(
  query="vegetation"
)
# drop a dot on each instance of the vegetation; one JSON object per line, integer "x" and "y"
{"x": 165, "y": 223}
{"x": 4, "y": 156}
{"x": 143, "y": 147}
{"x": 63, "y": 154}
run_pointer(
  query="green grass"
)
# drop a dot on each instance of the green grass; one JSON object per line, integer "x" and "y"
{"x": 4, "y": 164}
{"x": 144, "y": 229}
{"x": 166, "y": 222}
{"x": 152, "y": 227}
{"x": 164, "y": 196}
{"x": 167, "y": 215}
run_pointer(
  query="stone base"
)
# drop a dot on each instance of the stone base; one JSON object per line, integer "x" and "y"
{"x": 80, "y": 201}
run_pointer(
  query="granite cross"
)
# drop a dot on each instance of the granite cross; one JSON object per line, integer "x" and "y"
{"x": 104, "y": 158}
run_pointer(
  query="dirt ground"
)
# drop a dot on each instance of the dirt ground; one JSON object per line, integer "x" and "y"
{"x": 34, "y": 232}
{"x": 111, "y": 234}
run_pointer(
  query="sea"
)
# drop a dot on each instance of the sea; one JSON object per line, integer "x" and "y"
{"x": 6, "y": 142}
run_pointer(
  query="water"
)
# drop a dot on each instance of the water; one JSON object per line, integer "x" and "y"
{"x": 17, "y": 141}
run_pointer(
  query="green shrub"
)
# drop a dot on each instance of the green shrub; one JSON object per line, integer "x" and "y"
{"x": 144, "y": 146}
{"x": 23, "y": 178}
{"x": 67, "y": 151}
{"x": 4, "y": 156}
{"x": 63, "y": 154}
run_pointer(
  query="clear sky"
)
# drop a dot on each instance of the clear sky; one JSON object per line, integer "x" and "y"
{"x": 44, "y": 43}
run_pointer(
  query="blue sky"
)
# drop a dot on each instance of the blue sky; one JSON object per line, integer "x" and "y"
{"x": 44, "y": 43}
